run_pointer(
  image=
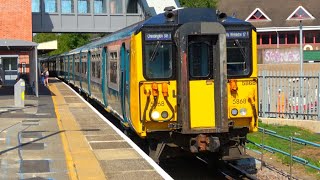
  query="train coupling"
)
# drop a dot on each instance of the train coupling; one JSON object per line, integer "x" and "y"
{"x": 203, "y": 143}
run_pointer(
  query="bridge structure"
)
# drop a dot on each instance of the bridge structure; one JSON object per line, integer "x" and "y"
{"x": 60, "y": 16}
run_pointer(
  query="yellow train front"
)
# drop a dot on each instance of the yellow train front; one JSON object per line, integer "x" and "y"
{"x": 186, "y": 78}
{"x": 193, "y": 82}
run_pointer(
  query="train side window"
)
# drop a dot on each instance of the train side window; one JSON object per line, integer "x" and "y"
{"x": 98, "y": 69}
{"x": 112, "y": 71}
{"x": 93, "y": 69}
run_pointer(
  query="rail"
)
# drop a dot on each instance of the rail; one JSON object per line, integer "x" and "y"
{"x": 289, "y": 154}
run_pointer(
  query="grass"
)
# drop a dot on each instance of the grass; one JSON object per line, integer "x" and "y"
{"x": 310, "y": 153}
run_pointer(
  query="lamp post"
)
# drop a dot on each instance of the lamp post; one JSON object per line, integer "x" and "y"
{"x": 301, "y": 70}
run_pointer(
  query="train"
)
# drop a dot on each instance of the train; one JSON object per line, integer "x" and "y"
{"x": 186, "y": 78}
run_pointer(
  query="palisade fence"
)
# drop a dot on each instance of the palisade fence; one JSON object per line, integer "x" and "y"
{"x": 282, "y": 95}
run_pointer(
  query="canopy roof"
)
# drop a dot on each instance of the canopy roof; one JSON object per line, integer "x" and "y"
{"x": 13, "y": 44}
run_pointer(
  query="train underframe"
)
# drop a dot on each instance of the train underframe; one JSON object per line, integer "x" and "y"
{"x": 225, "y": 146}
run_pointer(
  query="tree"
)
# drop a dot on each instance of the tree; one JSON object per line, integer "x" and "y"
{"x": 199, "y": 3}
{"x": 44, "y": 37}
{"x": 66, "y": 41}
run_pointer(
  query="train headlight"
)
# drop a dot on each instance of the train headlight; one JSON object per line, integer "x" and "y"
{"x": 243, "y": 111}
{"x": 234, "y": 112}
{"x": 155, "y": 115}
{"x": 164, "y": 114}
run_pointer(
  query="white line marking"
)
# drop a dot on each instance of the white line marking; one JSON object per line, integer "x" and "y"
{"x": 107, "y": 141}
{"x": 159, "y": 170}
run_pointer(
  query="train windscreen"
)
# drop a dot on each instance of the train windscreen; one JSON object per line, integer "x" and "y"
{"x": 158, "y": 55}
{"x": 238, "y": 53}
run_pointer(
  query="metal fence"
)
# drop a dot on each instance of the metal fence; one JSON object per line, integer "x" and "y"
{"x": 285, "y": 94}
{"x": 292, "y": 140}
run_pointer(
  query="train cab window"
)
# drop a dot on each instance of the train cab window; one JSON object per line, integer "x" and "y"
{"x": 158, "y": 60}
{"x": 238, "y": 57}
{"x": 198, "y": 56}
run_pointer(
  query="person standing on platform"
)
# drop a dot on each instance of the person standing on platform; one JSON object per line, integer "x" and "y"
{"x": 46, "y": 77}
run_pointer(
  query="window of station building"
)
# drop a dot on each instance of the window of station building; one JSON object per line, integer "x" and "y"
{"x": 317, "y": 37}
{"x": 282, "y": 38}
{"x": 258, "y": 39}
{"x": 99, "y": 6}
{"x": 83, "y": 6}
{"x": 308, "y": 37}
{"x": 50, "y": 6}
{"x": 291, "y": 38}
{"x": 115, "y": 6}
{"x": 300, "y": 13}
{"x": 273, "y": 38}
{"x": 35, "y": 5}
{"x": 132, "y": 6}
{"x": 265, "y": 38}
{"x": 67, "y": 6}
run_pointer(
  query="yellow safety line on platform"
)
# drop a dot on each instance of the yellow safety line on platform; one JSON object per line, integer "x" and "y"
{"x": 69, "y": 161}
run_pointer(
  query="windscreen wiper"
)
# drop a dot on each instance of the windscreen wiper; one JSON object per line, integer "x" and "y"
{"x": 241, "y": 49}
{"x": 155, "y": 51}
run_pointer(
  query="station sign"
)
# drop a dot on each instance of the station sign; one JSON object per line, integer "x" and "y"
{"x": 158, "y": 36}
{"x": 237, "y": 34}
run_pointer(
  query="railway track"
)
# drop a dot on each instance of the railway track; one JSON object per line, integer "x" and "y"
{"x": 180, "y": 164}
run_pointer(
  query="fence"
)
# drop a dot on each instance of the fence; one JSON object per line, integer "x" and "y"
{"x": 280, "y": 94}
{"x": 289, "y": 154}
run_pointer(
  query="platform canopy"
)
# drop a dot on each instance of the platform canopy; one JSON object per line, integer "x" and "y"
{"x": 31, "y": 47}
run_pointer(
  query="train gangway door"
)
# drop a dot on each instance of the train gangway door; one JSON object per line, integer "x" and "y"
{"x": 201, "y": 82}
{"x": 203, "y": 78}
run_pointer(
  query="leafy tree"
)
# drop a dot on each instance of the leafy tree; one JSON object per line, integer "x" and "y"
{"x": 44, "y": 37}
{"x": 199, "y": 3}
{"x": 66, "y": 41}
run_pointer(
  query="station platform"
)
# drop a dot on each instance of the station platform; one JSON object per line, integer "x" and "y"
{"x": 58, "y": 135}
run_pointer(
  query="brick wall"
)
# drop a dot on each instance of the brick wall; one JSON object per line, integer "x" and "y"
{"x": 16, "y": 20}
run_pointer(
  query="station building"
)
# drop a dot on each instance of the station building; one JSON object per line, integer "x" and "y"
{"x": 278, "y": 25}
{"x": 17, "y": 51}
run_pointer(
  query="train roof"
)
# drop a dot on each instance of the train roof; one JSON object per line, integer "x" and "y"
{"x": 186, "y": 15}
{"x": 181, "y": 16}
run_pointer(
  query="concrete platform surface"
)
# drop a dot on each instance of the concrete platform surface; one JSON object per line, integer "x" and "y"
{"x": 60, "y": 136}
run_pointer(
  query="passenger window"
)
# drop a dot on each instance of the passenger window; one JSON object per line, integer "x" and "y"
{"x": 113, "y": 71}
{"x": 93, "y": 69}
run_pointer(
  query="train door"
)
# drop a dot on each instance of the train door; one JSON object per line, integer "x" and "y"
{"x": 104, "y": 75}
{"x": 200, "y": 50}
{"x": 89, "y": 72}
{"x": 202, "y": 81}
{"x": 124, "y": 85}
{"x": 68, "y": 69}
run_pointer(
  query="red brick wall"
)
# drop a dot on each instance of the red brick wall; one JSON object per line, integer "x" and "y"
{"x": 16, "y": 20}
